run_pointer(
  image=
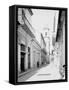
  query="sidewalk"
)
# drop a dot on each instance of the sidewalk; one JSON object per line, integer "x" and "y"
{"x": 28, "y": 74}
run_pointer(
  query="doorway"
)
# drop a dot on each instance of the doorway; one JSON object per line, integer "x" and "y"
{"x": 22, "y": 57}
{"x": 22, "y": 62}
{"x": 28, "y": 57}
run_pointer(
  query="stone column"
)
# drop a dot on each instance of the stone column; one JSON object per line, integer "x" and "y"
{"x": 26, "y": 59}
{"x": 26, "y": 54}
{"x": 19, "y": 59}
{"x": 40, "y": 57}
{"x": 31, "y": 55}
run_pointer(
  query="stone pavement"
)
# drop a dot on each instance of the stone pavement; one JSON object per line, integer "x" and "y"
{"x": 49, "y": 72}
{"x": 30, "y": 73}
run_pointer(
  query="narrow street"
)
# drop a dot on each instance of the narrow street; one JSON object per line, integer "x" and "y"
{"x": 41, "y": 42}
{"x": 46, "y": 72}
{"x": 49, "y": 72}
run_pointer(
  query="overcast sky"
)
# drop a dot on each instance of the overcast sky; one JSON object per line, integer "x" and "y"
{"x": 43, "y": 19}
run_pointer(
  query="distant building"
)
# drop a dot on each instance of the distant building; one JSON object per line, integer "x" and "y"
{"x": 43, "y": 50}
{"x": 47, "y": 34}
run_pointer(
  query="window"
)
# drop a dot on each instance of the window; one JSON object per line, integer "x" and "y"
{"x": 22, "y": 47}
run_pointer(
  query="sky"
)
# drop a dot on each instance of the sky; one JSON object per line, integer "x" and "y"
{"x": 43, "y": 20}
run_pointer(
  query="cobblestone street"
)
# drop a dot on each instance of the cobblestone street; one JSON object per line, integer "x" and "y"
{"x": 49, "y": 72}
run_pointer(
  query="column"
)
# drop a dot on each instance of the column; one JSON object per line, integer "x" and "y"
{"x": 26, "y": 58}
{"x": 26, "y": 54}
{"x": 31, "y": 55}
{"x": 19, "y": 58}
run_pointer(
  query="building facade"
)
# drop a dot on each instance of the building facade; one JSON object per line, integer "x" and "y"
{"x": 43, "y": 50}
{"x": 29, "y": 50}
{"x": 36, "y": 53}
{"x": 60, "y": 39}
